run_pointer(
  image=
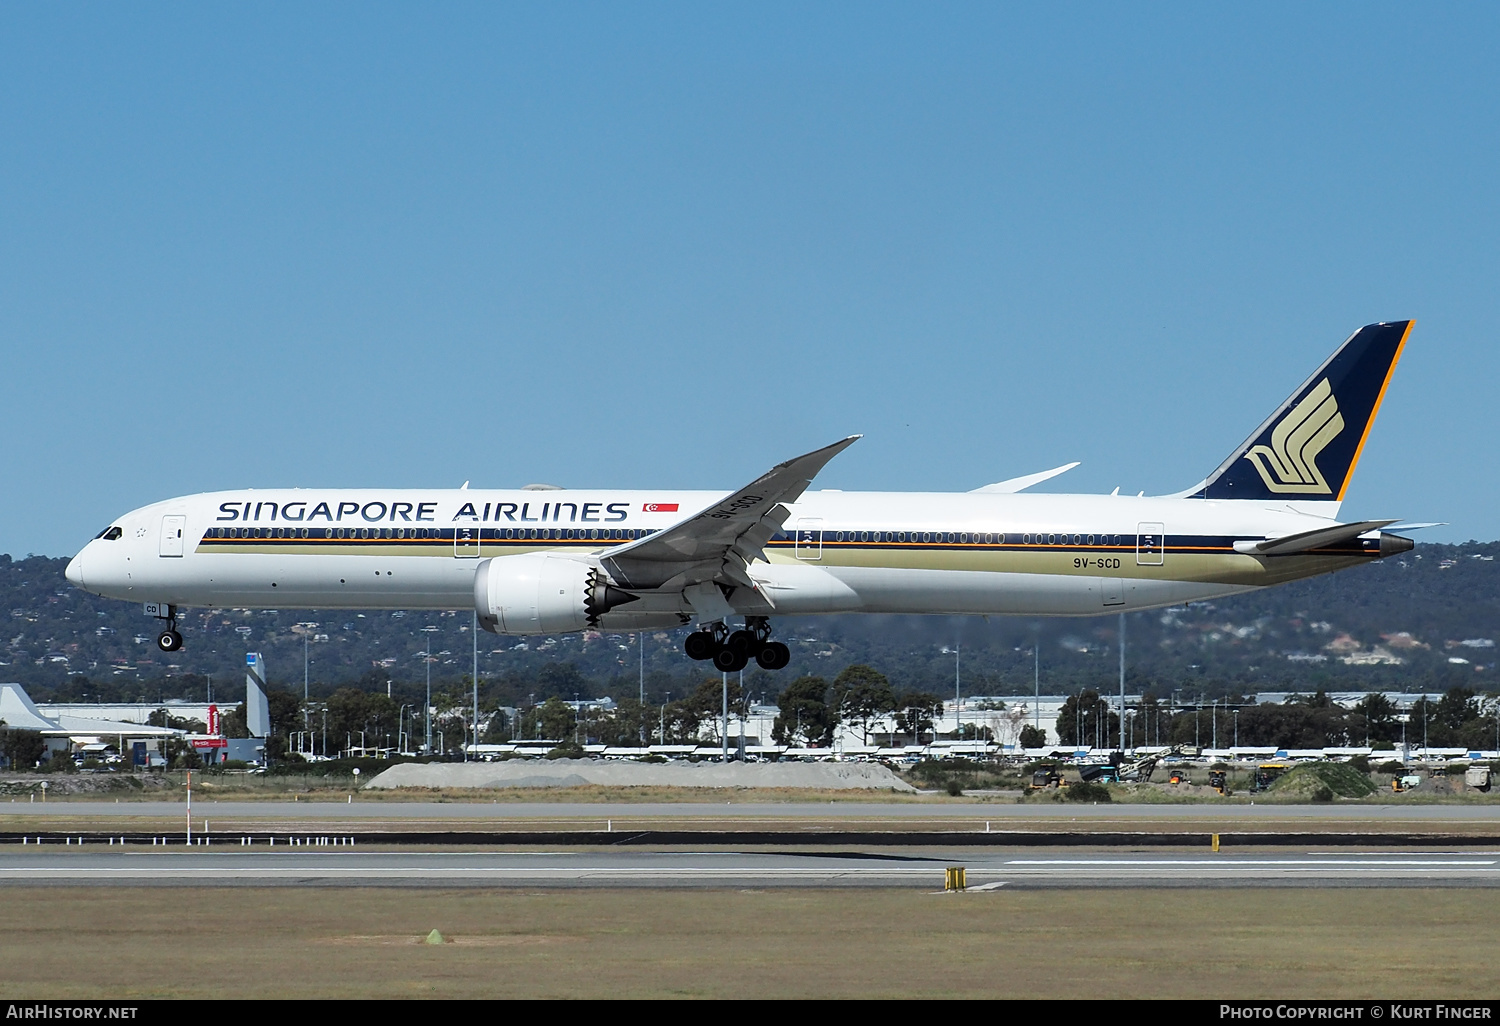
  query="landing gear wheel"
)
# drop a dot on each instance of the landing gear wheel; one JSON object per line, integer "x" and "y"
{"x": 773, "y": 656}
{"x": 742, "y": 641}
{"x": 700, "y": 645}
{"x": 169, "y": 641}
{"x": 729, "y": 660}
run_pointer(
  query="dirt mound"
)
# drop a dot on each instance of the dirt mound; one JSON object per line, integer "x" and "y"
{"x": 826, "y": 776}
{"x": 1335, "y": 777}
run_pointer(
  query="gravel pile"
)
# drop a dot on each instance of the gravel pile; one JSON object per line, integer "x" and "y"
{"x": 825, "y": 776}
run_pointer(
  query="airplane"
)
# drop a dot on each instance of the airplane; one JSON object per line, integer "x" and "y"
{"x": 547, "y": 560}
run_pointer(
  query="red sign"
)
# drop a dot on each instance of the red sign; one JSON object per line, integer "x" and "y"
{"x": 209, "y": 742}
{"x": 213, "y": 719}
{"x": 659, "y": 507}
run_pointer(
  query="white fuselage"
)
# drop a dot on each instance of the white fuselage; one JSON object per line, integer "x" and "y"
{"x": 962, "y": 553}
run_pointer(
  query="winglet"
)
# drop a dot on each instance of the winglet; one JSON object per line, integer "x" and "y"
{"x": 1016, "y": 484}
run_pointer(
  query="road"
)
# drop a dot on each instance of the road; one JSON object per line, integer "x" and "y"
{"x": 914, "y": 868}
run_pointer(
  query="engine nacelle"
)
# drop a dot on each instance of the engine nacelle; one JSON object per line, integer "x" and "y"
{"x": 542, "y": 593}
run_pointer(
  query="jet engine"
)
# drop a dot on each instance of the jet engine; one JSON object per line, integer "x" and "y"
{"x": 542, "y": 593}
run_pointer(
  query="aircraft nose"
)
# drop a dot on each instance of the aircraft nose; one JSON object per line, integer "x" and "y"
{"x": 74, "y": 572}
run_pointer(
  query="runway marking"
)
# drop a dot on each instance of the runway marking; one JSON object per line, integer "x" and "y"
{"x": 1404, "y": 854}
{"x": 1237, "y": 862}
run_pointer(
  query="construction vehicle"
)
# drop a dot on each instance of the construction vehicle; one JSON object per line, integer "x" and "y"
{"x": 1117, "y": 770}
{"x": 1141, "y": 769}
{"x": 1400, "y": 783}
{"x": 1219, "y": 781}
{"x": 1104, "y": 773}
{"x": 1265, "y": 775}
{"x": 1048, "y": 776}
{"x": 1478, "y": 777}
{"x": 1179, "y": 776}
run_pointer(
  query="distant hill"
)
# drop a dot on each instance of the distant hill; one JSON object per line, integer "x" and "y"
{"x": 1426, "y": 620}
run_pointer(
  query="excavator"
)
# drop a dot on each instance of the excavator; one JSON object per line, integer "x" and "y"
{"x": 1138, "y": 771}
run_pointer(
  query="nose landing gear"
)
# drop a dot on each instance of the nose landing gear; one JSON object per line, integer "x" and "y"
{"x": 731, "y": 652}
{"x": 168, "y": 640}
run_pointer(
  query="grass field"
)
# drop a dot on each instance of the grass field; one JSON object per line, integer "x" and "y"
{"x": 142, "y": 942}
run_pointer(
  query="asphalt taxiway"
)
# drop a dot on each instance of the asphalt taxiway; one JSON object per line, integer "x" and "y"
{"x": 915, "y": 868}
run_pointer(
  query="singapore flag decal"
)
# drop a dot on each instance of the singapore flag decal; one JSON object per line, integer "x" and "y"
{"x": 659, "y": 507}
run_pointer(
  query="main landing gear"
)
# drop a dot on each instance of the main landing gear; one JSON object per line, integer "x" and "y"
{"x": 169, "y": 640}
{"x": 731, "y": 651}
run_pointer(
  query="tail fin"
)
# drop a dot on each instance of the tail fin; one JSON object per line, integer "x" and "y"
{"x": 1307, "y": 450}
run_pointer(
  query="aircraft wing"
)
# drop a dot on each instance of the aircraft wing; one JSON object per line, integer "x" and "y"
{"x": 1291, "y": 544}
{"x": 717, "y": 545}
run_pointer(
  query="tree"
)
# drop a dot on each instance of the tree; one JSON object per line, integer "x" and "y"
{"x": 22, "y": 749}
{"x": 497, "y": 728}
{"x": 1033, "y": 737}
{"x": 351, "y": 713}
{"x": 557, "y": 718}
{"x": 863, "y": 695}
{"x": 233, "y": 723}
{"x": 1379, "y": 716}
{"x": 915, "y": 712}
{"x": 285, "y": 710}
{"x": 1297, "y": 723}
{"x": 705, "y": 706}
{"x": 803, "y": 716}
{"x": 1086, "y": 719}
{"x": 623, "y": 728}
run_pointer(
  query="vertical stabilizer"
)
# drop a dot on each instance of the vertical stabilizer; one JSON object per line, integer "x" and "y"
{"x": 1307, "y": 450}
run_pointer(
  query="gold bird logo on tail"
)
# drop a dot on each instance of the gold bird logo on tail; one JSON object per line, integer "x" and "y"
{"x": 1289, "y": 463}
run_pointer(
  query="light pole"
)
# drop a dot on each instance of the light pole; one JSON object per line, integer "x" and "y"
{"x": 1036, "y": 676}
{"x": 641, "y": 635}
{"x": 427, "y": 709}
{"x": 664, "y": 717}
{"x": 1078, "y": 719}
{"x": 474, "y": 630}
{"x": 1122, "y": 681}
{"x": 1236, "y": 728}
{"x": 958, "y": 691}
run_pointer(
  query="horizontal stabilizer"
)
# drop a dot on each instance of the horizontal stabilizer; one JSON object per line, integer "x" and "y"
{"x": 1306, "y": 541}
{"x": 1017, "y": 484}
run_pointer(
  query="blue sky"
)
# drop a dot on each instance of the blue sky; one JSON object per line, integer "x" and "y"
{"x": 669, "y": 245}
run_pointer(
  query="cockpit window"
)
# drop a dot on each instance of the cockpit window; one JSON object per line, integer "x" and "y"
{"x": 109, "y": 534}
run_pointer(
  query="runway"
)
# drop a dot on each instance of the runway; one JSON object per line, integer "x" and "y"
{"x": 920, "y": 869}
